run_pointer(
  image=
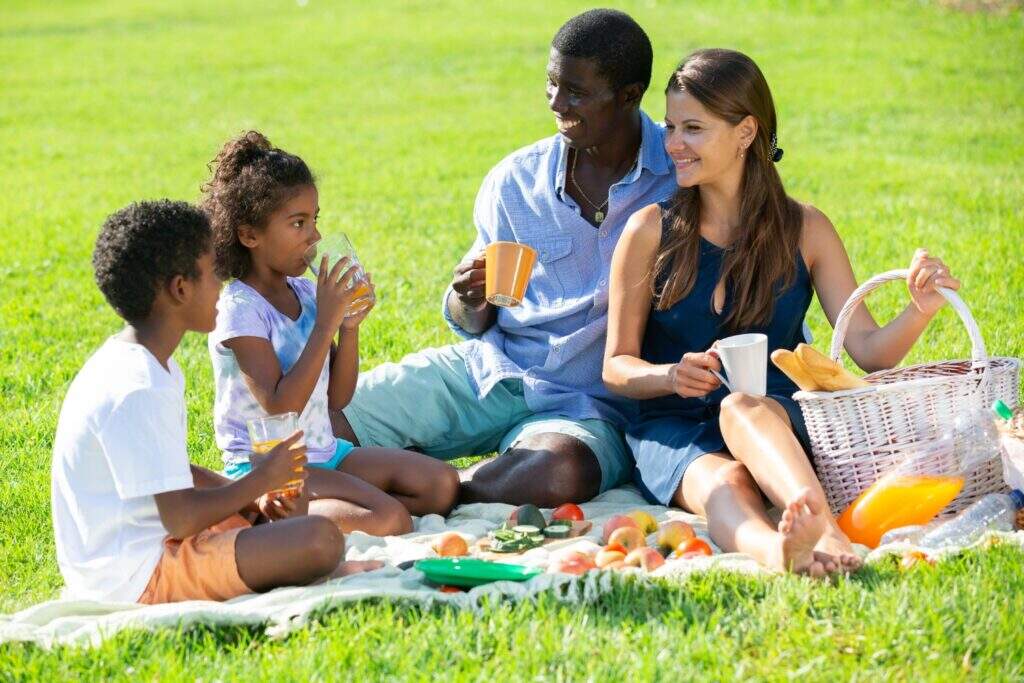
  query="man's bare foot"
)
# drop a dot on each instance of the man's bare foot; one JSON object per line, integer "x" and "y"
{"x": 349, "y": 567}
{"x": 835, "y": 543}
{"x": 800, "y": 529}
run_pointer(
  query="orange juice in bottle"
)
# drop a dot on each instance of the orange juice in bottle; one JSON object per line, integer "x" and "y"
{"x": 896, "y": 500}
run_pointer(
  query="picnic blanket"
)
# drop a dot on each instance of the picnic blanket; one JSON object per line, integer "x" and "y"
{"x": 88, "y": 622}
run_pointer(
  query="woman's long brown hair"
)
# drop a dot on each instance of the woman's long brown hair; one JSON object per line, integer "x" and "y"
{"x": 762, "y": 256}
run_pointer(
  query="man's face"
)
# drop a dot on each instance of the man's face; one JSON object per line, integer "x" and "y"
{"x": 588, "y": 112}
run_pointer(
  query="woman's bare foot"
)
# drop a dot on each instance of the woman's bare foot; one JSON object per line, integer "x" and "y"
{"x": 799, "y": 530}
{"x": 835, "y": 543}
{"x": 349, "y": 567}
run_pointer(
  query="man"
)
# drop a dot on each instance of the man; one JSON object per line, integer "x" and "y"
{"x": 527, "y": 382}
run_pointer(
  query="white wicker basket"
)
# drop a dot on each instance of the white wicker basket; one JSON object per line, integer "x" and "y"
{"x": 859, "y": 434}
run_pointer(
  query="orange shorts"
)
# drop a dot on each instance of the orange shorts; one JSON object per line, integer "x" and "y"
{"x": 200, "y": 567}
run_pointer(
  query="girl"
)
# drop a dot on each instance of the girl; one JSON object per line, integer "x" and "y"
{"x": 732, "y": 253}
{"x": 274, "y": 347}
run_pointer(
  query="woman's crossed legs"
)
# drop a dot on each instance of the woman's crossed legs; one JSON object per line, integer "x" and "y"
{"x": 765, "y": 455}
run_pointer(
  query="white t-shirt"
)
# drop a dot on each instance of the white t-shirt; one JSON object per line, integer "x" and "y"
{"x": 243, "y": 312}
{"x": 120, "y": 439}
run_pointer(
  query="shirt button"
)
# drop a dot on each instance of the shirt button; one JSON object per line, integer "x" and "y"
{"x": 603, "y": 282}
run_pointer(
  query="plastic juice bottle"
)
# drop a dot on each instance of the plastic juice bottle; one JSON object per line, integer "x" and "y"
{"x": 895, "y": 500}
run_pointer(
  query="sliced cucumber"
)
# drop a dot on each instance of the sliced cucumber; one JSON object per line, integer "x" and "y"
{"x": 526, "y": 529}
{"x": 557, "y": 531}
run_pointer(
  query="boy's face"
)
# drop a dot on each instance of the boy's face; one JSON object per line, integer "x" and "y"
{"x": 202, "y": 308}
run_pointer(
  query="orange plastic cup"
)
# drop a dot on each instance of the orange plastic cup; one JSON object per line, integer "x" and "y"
{"x": 509, "y": 265}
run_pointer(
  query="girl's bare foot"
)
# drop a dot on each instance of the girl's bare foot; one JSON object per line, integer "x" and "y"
{"x": 800, "y": 529}
{"x": 349, "y": 567}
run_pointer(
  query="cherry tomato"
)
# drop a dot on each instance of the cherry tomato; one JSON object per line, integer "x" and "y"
{"x": 568, "y": 511}
{"x": 450, "y": 589}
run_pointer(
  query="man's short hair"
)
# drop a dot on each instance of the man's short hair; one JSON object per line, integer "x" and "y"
{"x": 141, "y": 247}
{"x": 614, "y": 40}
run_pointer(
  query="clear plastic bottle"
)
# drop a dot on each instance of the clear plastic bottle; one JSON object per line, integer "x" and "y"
{"x": 974, "y": 436}
{"x": 907, "y": 534}
{"x": 994, "y": 512}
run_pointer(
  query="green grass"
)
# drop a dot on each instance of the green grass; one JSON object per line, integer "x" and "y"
{"x": 901, "y": 121}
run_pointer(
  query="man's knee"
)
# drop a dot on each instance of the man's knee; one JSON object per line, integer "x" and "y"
{"x": 564, "y": 469}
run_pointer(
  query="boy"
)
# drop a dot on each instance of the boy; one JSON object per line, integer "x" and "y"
{"x": 133, "y": 520}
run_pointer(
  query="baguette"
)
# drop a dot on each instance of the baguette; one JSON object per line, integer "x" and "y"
{"x": 787, "y": 361}
{"x": 827, "y": 373}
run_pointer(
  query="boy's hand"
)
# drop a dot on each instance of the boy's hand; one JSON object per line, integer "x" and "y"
{"x": 333, "y": 292}
{"x": 352, "y": 322}
{"x": 284, "y": 463}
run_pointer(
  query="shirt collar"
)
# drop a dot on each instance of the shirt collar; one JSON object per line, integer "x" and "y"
{"x": 651, "y": 154}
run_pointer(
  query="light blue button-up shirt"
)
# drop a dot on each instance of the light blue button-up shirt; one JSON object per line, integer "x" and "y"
{"x": 554, "y": 340}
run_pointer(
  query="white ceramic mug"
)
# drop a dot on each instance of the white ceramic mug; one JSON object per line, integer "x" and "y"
{"x": 745, "y": 363}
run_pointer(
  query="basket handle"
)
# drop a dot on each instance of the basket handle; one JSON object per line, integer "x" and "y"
{"x": 978, "y": 354}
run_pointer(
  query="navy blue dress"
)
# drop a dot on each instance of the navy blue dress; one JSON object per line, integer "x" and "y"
{"x": 669, "y": 433}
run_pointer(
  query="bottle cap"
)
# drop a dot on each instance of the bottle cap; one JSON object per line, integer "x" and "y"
{"x": 1002, "y": 410}
{"x": 1018, "y": 498}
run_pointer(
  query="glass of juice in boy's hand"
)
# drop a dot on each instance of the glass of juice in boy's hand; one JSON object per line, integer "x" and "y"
{"x": 267, "y": 432}
{"x": 336, "y": 247}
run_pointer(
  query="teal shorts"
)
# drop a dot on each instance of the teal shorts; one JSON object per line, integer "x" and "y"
{"x": 426, "y": 402}
{"x": 237, "y": 470}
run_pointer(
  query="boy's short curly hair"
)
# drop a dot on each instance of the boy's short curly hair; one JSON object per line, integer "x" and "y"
{"x": 144, "y": 245}
{"x": 250, "y": 180}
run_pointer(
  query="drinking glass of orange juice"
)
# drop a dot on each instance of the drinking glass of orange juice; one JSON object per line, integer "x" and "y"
{"x": 336, "y": 247}
{"x": 508, "y": 269}
{"x": 267, "y": 432}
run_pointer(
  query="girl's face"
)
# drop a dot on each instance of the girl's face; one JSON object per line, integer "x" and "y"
{"x": 290, "y": 230}
{"x": 703, "y": 147}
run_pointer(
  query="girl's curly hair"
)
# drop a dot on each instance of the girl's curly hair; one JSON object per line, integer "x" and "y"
{"x": 251, "y": 179}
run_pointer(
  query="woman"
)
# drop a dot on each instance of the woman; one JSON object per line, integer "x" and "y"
{"x": 732, "y": 253}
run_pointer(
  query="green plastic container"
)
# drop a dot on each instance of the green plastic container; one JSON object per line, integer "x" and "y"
{"x": 468, "y": 571}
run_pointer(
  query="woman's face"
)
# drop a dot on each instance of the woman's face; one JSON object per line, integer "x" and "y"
{"x": 290, "y": 230}
{"x": 703, "y": 147}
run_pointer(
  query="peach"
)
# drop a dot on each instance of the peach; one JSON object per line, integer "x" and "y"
{"x": 647, "y": 558}
{"x": 673, "y": 534}
{"x": 644, "y": 520}
{"x": 629, "y": 537}
{"x": 450, "y": 544}
{"x": 606, "y": 557}
{"x": 574, "y": 562}
{"x": 694, "y": 547}
{"x": 617, "y": 522}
